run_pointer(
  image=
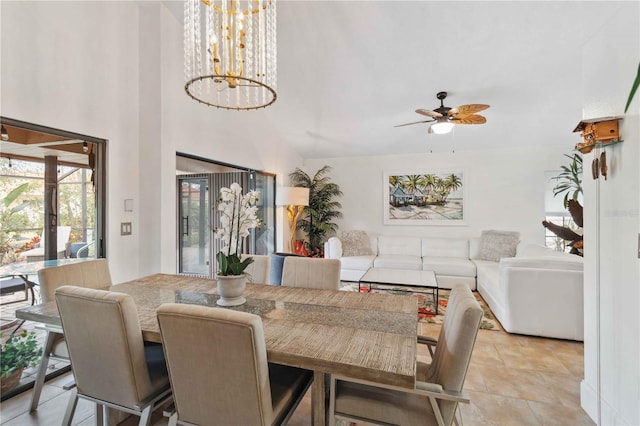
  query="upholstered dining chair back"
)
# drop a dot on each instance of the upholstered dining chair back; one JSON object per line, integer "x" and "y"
{"x": 258, "y": 271}
{"x": 90, "y": 274}
{"x": 106, "y": 348}
{"x": 217, "y": 360}
{"x": 311, "y": 273}
{"x": 438, "y": 388}
{"x": 455, "y": 345}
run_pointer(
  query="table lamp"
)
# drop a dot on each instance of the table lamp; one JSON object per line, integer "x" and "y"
{"x": 295, "y": 199}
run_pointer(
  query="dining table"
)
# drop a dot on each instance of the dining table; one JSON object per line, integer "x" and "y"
{"x": 365, "y": 336}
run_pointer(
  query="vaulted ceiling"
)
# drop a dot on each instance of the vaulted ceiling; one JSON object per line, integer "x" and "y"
{"x": 348, "y": 72}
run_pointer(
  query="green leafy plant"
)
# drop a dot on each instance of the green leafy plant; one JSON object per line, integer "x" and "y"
{"x": 634, "y": 88}
{"x": 20, "y": 350}
{"x": 570, "y": 184}
{"x": 570, "y": 179}
{"x": 319, "y": 216}
{"x": 12, "y": 204}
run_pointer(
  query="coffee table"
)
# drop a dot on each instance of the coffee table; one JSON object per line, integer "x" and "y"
{"x": 403, "y": 277}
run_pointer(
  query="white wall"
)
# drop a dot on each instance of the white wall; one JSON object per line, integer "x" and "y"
{"x": 612, "y": 220}
{"x": 504, "y": 189}
{"x": 243, "y": 138}
{"x": 74, "y": 66}
{"x": 106, "y": 70}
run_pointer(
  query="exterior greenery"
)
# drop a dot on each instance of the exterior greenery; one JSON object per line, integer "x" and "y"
{"x": 570, "y": 179}
{"x": 20, "y": 350}
{"x": 318, "y": 218}
{"x": 22, "y": 211}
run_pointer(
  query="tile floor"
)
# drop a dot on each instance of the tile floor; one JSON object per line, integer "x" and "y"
{"x": 512, "y": 380}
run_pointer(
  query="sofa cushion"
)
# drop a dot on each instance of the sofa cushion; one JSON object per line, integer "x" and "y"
{"x": 445, "y": 247}
{"x": 395, "y": 261}
{"x": 449, "y": 266}
{"x": 536, "y": 250}
{"x": 360, "y": 263}
{"x": 355, "y": 243}
{"x": 495, "y": 245}
{"x": 488, "y": 274}
{"x": 408, "y": 246}
{"x": 333, "y": 248}
{"x": 544, "y": 263}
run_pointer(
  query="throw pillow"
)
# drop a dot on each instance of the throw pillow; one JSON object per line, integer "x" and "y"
{"x": 495, "y": 245}
{"x": 355, "y": 243}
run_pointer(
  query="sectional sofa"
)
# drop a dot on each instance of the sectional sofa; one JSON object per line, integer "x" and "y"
{"x": 447, "y": 257}
{"x": 536, "y": 291}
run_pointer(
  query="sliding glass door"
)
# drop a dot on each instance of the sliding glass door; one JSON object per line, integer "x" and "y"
{"x": 197, "y": 218}
{"x": 263, "y": 238}
{"x": 194, "y": 225}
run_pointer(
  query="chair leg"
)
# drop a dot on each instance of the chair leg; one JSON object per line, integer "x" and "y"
{"x": 457, "y": 416}
{"x": 100, "y": 415}
{"x": 71, "y": 408}
{"x": 145, "y": 416}
{"x": 332, "y": 401}
{"x": 436, "y": 411}
{"x": 106, "y": 413}
{"x": 173, "y": 419}
{"x": 42, "y": 371}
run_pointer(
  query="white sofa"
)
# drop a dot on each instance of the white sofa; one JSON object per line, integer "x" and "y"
{"x": 447, "y": 257}
{"x": 539, "y": 292}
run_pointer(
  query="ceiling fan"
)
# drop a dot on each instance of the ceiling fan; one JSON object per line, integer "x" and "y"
{"x": 445, "y": 117}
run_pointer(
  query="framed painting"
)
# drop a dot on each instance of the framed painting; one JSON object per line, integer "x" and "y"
{"x": 424, "y": 197}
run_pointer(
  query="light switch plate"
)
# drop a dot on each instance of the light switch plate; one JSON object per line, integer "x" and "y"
{"x": 125, "y": 228}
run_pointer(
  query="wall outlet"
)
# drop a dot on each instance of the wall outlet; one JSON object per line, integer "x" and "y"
{"x": 125, "y": 228}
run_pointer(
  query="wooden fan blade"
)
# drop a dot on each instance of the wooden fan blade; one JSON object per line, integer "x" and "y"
{"x": 429, "y": 113}
{"x": 469, "y": 119}
{"x": 465, "y": 110}
{"x": 415, "y": 122}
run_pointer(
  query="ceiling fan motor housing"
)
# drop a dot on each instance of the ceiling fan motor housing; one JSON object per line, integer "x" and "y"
{"x": 442, "y": 109}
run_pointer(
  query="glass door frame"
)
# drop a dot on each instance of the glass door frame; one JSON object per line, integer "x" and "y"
{"x": 99, "y": 174}
{"x": 225, "y": 167}
{"x": 207, "y": 234}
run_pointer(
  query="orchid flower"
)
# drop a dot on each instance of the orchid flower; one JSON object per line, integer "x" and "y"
{"x": 238, "y": 215}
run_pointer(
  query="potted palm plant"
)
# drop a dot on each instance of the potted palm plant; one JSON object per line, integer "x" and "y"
{"x": 318, "y": 220}
{"x": 18, "y": 352}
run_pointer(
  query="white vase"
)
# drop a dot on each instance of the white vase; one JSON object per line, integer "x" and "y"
{"x": 230, "y": 289}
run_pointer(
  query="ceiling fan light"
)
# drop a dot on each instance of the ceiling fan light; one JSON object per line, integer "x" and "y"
{"x": 441, "y": 127}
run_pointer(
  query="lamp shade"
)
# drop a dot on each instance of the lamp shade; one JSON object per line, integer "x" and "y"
{"x": 292, "y": 196}
{"x": 442, "y": 126}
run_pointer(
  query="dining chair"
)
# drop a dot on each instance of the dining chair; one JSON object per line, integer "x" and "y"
{"x": 217, "y": 361}
{"x": 432, "y": 342}
{"x": 438, "y": 388}
{"x": 112, "y": 365}
{"x": 15, "y": 284}
{"x": 258, "y": 270}
{"x": 311, "y": 272}
{"x": 90, "y": 274}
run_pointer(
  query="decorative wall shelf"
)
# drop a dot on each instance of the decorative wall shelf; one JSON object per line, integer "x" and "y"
{"x": 598, "y": 132}
{"x": 598, "y": 145}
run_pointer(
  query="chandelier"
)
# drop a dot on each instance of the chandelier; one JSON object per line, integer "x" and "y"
{"x": 230, "y": 52}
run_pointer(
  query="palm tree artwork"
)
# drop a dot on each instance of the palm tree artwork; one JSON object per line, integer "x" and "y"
{"x": 428, "y": 197}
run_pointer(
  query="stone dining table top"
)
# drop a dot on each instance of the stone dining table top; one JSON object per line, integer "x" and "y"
{"x": 361, "y": 335}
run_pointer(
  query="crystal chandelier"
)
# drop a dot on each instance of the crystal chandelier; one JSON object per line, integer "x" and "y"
{"x": 230, "y": 52}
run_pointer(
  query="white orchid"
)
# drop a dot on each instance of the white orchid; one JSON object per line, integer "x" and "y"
{"x": 237, "y": 218}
